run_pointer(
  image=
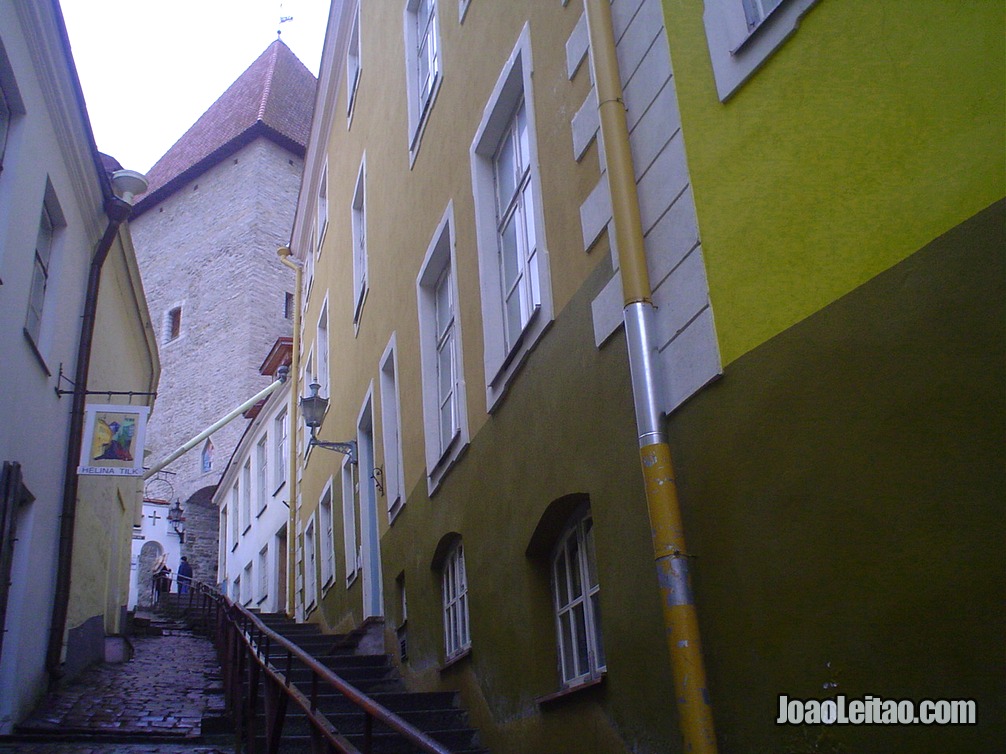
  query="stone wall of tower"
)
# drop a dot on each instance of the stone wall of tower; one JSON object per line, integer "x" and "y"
{"x": 210, "y": 250}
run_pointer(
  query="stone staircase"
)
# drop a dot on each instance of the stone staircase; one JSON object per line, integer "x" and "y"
{"x": 358, "y": 658}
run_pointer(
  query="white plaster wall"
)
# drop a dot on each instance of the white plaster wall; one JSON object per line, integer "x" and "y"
{"x": 48, "y": 141}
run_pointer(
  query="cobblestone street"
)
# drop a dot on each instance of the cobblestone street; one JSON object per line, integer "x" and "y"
{"x": 157, "y": 703}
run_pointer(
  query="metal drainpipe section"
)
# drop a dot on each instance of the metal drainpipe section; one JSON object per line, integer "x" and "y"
{"x": 291, "y": 534}
{"x": 670, "y": 553}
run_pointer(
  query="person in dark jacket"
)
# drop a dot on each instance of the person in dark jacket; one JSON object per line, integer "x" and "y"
{"x": 184, "y": 575}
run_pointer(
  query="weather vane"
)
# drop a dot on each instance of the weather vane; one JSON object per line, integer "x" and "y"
{"x": 282, "y": 20}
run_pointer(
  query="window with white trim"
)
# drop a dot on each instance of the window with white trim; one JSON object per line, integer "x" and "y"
{"x": 454, "y": 582}
{"x": 246, "y": 483}
{"x": 423, "y": 64}
{"x": 222, "y": 549}
{"x": 207, "y": 457}
{"x": 281, "y": 433}
{"x": 742, "y": 34}
{"x": 262, "y": 472}
{"x": 394, "y": 475}
{"x": 359, "y": 229}
{"x": 575, "y": 593}
{"x": 322, "y": 372}
{"x": 248, "y": 586}
{"x": 309, "y": 378}
{"x": 310, "y": 567}
{"x": 263, "y": 573}
{"x": 354, "y": 63}
{"x": 513, "y": 262}
{"x": 5, "y": 118}
{"x": 327, "y": 541}
{"x": 444, "y": 404}
{"x": 322, "y": 209}
{"x": 235, "y": 515}
{"x": 50, "y": 221}
{"x": 349, "y": 520}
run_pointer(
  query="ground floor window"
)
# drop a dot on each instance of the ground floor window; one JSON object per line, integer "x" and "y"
{"x": 575, "y": 593}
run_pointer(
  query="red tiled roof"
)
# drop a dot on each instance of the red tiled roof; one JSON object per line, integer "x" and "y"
{"x": 273, "y": 98}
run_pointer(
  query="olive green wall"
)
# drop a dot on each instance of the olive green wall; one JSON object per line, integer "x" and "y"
{"x": 844, "y": 490}
{"x": 876, "y": 127}
{"x": 566, "y": 427}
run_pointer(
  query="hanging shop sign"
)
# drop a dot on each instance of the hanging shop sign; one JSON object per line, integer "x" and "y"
{"x": 113, "y": 440}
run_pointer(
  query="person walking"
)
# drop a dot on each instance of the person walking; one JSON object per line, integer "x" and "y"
{"x": 184, "y": 575}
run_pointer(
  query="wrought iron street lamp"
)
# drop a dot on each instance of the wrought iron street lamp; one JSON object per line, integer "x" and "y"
{"x": 313, "y": 407}
{"x": 177, "y": 520}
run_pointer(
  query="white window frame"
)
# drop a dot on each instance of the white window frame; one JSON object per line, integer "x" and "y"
{"x": 326, "y": 534}
{"x": 577, "y": 619}
{"x": 739, "y": 42}
{"x": 307, "y": 379}
{"x": 354, "y": 65}
{"x": 439, "y": 267}
{"x": 420, "y": 102}
{"x": 281, "y": 448}
{"x": 37, "y": 325}
{"x": 322, "y": 208}
{"x": 322, "y": 366}
{"x": 6, "y": 116}
{"x": 222, "y": 549}
{"x": 349, "y": 537}
{"x": 263, "y": 572}
{"x": 262, "y": 472}
{"x": 236, "y": 514}
{"x": 454, "y": 591}
{"x": 503, "y": 355}
{"x": 206, "y": 457}
{"x": 358, "y": 223}
{"x": 248, "y": 591}
{"x": 391, "y": 430}
{"x": 310, "y": 566}
{"x": 246, "y": 490}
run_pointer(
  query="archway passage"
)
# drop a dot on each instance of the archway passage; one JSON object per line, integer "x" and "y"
{"x": 149, "y": 554}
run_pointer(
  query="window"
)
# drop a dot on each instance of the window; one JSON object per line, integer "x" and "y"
{"x": 41, "y": 271}
{"x": 288, "y": 303}
{"x": 248, "y": 586}
{"x": 246, "y": 477}
{"x": 402, "y": 629}
{"x": 327, "y": 541}
{"x": 349, "y": 520}
{"x": 742, "y": 34}
{"x": 236, "y": 589}
{"x": 457, "y": 635}
{"x": 5, "y": 118}
{"x": 422, "y": 64}
{"x": 394, "y": 477}
{"x": 444, "y": 409}
{"x": 207, "y": 458}
{"x": 577, "y": 608}
{"x": 263, "y": 573}
{"x": 353, "y": 63}
{"x": 262, "y": 467}
{"x": 359, "y": 228}
{"x": 309, "y": 378}
{"x": 321, "y": 375}
{"x": 322, "y": 206}
{"x": 235, "y": 515}
{"x": 281, "y": 427}
{"x": 310, "y": 567}
{"x": 173, "y": 324}
{"x": 513, "y": 263}
{"x": 462, "y": 9}
{"x": 224, "y": 532}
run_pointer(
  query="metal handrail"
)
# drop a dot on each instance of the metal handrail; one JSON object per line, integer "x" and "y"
{"x": 258, "y": 639}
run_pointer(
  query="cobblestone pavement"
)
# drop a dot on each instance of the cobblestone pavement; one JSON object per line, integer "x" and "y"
{"x": 153, "y": 704}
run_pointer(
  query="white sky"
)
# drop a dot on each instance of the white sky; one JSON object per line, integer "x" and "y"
{"x": 150, "y": 68}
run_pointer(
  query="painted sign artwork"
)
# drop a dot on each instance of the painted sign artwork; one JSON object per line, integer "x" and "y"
{"x": 113, "y": 440}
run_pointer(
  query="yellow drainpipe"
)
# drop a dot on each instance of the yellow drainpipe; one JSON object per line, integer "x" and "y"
{"x": 291, "y": 529}
{"x": 670, "y": 553}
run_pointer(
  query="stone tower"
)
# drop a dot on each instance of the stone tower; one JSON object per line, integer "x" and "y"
{"x": 220, "y": 202}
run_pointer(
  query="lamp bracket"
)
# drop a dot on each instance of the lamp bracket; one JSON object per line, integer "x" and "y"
{"x": 346, "y": 448}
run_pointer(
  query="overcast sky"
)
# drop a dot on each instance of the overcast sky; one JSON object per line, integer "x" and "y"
{"x": 150, "y": 68}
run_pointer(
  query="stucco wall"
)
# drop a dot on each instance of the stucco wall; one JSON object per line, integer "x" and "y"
{"x": 843, "y": 488}
{"x": 875, "y": 128}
